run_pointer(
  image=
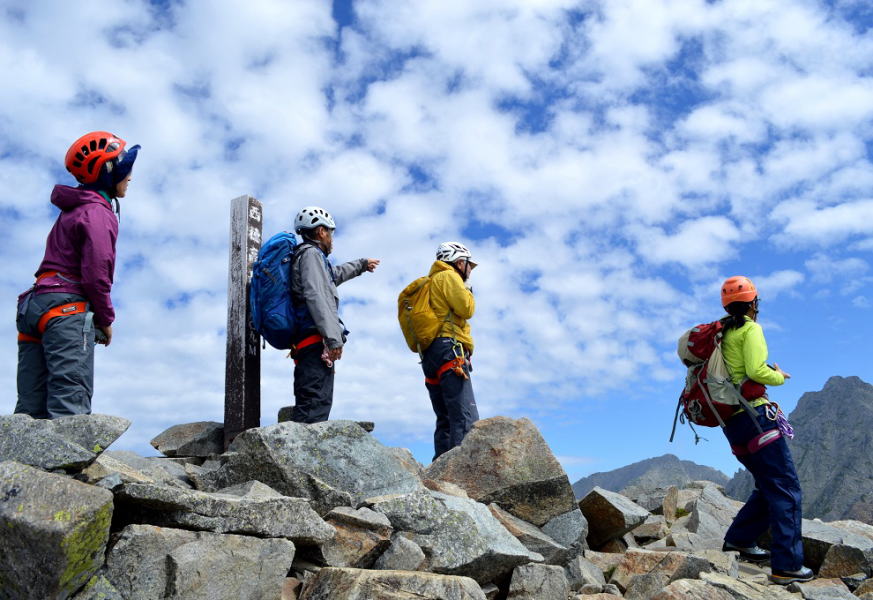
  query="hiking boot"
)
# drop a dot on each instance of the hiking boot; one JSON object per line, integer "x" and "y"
{"x": 786, "y": 577}
{"x": 753, "y": 554}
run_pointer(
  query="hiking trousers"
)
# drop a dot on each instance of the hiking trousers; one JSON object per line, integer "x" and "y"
{"x": 313, "y": 386}
{"x": 452, "y": 399}
{"x": 56, "y": 376}
{"x": 775, "y": 502}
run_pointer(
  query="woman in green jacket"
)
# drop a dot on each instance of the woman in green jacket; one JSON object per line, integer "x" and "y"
{"x": 759, "y": 444}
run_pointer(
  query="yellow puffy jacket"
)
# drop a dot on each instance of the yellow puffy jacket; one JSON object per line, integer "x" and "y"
{"x": 448, "y": 294}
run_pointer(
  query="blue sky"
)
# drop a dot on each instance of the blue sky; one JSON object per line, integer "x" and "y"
{"x": 609, "y": 163}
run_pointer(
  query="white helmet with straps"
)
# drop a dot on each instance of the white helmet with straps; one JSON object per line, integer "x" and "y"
{"x": 311, "y": 217}
{"x": 451, "y": 251}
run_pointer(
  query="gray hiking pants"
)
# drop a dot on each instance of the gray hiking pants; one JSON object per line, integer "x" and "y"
{"x": 56, "y": 376}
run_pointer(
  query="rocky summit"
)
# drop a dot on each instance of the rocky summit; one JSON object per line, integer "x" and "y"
{"x": 326, "y": 512}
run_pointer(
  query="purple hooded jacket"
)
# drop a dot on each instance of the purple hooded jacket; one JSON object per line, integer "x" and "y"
{"x": 81, "y": 246}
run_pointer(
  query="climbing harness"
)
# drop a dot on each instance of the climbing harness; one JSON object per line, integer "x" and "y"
{"x": 63, "y": 310}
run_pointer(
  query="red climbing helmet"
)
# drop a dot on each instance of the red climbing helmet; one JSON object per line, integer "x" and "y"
{"x": 87, "y": 156}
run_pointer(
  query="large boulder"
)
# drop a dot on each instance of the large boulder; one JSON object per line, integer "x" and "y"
{"x": 54, "y": 532}
{"x": 334, "y": 463}
{"x": 66, "y": 443}
{"x": 258, "y": 511}
{"x": 609, "y": 515}
{"x": 358, "y": 584}
{"x": 459, "y": 536}
{"x": 203, "y": 438}
{"x": 507, "y": 461}
{"x": 538, "y": 582}
{"x": 148, "y": 562}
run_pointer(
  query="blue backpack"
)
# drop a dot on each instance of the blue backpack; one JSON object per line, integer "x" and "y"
{"x": 273, "y": 312}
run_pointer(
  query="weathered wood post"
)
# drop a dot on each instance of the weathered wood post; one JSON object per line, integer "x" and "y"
{"x": 242, "y": 375}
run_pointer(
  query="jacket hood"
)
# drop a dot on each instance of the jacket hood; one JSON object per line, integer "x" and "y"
{"x": 67, "y": 198}
{"x": 438, "y": 266}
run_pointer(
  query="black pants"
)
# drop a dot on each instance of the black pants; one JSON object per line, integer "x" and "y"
{"x": 776, "y": 501}
{"x": 452, "y": 399}
{"x": 313, "y": 386}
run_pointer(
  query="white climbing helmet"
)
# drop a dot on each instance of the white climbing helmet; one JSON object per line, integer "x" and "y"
{"x": 311, "y": 217}
{"x": 451, "y": 251}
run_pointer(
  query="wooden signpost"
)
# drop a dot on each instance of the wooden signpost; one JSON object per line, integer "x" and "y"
{"x": 242, "y": 376}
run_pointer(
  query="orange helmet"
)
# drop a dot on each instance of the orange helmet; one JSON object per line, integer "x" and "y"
{"x": 87, "y": 156}
{"x": 738, "y": 289}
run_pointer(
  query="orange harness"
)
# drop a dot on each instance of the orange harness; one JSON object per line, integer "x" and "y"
{"x": 63, "y": 310}
{"x": 456, "y": 365}
{"x": 307, "y": 341}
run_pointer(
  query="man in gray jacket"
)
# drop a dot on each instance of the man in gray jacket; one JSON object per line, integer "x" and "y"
{"x": 322, "y": 334}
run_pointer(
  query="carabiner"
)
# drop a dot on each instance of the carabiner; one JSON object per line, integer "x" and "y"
{"x": 771, "y": 410}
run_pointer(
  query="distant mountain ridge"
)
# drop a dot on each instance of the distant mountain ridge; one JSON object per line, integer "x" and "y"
{"x": 649, "y": 474}
{"x": 832, "y": 450}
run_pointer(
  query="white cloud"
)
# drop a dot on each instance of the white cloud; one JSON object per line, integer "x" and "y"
{"x": 602, "y": 190}
{"x": 695, "y": 242}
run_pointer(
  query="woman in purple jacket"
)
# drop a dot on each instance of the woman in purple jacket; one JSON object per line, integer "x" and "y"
{"x": 69, "y": 308}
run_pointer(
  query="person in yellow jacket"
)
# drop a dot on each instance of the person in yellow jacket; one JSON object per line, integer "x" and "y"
{"x": 446, "y": 362}
{"x": 758, "y": 443}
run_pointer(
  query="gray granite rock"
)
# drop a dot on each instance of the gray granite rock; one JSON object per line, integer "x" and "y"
{"x": 609, "y": 515}
{"x": 581, "y": 572}
{"x": 231, "y": 567}
{"x": 35, "y": 442}
{"x": 147, "y": 562}
{"x": 54, "y": 532}
{"x": 202, "y": 439}
{"x": 507, "y": 461}
{"x": 334, "y": 463}
{"x": 818, "y": 538}
{"x": 569, "y": 529}
{"x": 254, "y": 513}
{"x": 402, "y": 555}
{"x": 538, "y": 582}
{"x": 712, "y": 514}
{"x": 93, "y": 432}
{"x": 532, "y": 537}
{"x": 359, "y": 584}
{"x": 459, "y": 536}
